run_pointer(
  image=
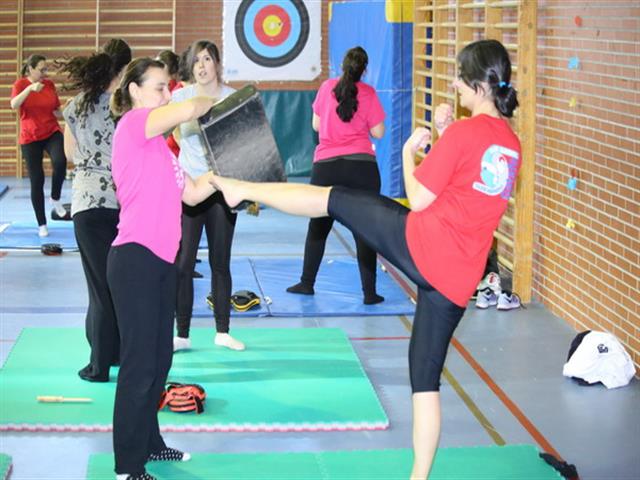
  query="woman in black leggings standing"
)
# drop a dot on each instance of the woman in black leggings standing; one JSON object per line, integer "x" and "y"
{"x": 346, "y": 114}
{"x": 94, "y": 208}
{"x": 457, "y": 197}
{"x": 36, "y": 98}
{"x": 213, "y": 215}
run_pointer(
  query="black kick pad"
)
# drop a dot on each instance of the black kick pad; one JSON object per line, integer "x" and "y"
{"x": 239, "y": 139}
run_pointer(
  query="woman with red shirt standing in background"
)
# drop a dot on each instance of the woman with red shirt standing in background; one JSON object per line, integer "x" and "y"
{"x": 36, "y": 98}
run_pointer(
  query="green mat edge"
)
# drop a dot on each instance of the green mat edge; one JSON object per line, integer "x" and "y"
{"x": 319, "y": 458}
{"x": 5, "y": 466}
{"x": 211, "y": 428}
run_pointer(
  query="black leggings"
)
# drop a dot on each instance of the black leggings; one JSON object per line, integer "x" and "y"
{"x": 143, "y": 288}
{"x": 381, "y": 222}
{"x": 219, "y": 224}
{"x": 33, "y": 154}
{"x": 363, "y": 175}
{"x": 95, "y": 230}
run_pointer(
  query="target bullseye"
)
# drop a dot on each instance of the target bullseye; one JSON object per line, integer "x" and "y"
{"x": 272, "y": 33}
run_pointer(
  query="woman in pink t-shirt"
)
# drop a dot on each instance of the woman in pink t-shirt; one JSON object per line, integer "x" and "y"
{"x": 150, "y": 186}
{"x": 346, "y": 114}
{"x": 457, "y": 196}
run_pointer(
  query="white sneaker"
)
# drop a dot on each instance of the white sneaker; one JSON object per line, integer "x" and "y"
{"x": 43, "y": 231}
{"x": 59, "y": 208}
{"x": 226, "y": 340}
{"x": 486, "y": 298}
{"x": 492, "y": 281}
{"x": 508, "y": 301}
{"x": 180, "y": 343}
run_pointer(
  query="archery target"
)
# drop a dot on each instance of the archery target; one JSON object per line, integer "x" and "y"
{"x": 271, "y": 35}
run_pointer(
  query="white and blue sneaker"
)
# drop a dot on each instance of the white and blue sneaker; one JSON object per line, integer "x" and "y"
{"x": 486, "y": 298}
{"x": 508, "y": 301}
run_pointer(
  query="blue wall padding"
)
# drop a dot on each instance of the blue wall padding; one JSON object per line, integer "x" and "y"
{"x": 389, "y": 48}
{"x": 289, "y": 113}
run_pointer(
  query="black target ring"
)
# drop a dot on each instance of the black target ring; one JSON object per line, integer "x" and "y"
{"x": 263, "y": 60}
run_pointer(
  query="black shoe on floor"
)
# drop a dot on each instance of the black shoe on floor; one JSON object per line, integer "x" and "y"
{"x": 89, "y": 375}
{"x": 372, "y": 299}
{"x": 301, "y": 288}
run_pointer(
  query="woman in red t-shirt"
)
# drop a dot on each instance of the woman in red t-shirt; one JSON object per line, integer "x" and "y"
{"x": 36, "y": 98}
{"x": 457, "y": 196}
{"x": 346, "y": 114}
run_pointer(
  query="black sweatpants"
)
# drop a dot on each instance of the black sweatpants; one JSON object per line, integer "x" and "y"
{"x": 359, "y": 174}
{"x": 33, "y": 153}
{"x": 381, "y": 222}
{"x": 143, "y": 288}
{"x": 219, "y": 224}
{"x": 95, "y": 230}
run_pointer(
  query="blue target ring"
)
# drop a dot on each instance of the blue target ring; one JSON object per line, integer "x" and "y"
{"x": 259, "y": 51}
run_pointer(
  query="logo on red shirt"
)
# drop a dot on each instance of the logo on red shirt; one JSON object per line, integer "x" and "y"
{"x": 498, "y": 171}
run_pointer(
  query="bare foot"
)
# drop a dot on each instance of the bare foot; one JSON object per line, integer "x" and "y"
{"x": 231, "y": 189}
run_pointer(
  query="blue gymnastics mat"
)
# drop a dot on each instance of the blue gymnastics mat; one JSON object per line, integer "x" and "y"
{"x": 338, "y": 291}
{"x": 3, "y": 189}
{"x": 272, "y": 233}
{"x": 24, "y": 235}
{"x": 243, "y": 278}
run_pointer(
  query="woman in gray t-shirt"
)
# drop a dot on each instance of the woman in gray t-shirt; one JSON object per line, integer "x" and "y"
{"x": 94, "y": 208}
{"x": 213, "y": 214}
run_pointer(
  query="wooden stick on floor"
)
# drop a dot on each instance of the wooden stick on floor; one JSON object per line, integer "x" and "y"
{"x": 60, "y": 399}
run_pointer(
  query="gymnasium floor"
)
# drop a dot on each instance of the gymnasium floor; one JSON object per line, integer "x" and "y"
{"x": 502, "y": 385}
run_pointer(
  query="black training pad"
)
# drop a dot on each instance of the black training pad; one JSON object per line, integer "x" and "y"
{"x": 239, "y": 139}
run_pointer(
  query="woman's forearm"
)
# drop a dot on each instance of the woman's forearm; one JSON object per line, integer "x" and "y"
{"x": 19, "y": 99}
{"x": 197, "y": 190}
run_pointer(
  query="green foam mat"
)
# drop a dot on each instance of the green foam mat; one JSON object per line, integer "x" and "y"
{"x": 287, "y": 380}
{"x": 5, "y": 466}
{"x": 479, "y": 463}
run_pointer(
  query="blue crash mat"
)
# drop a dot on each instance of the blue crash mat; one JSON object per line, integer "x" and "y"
{"x": 243, "y": 278}
{"x": 24, "y": 235}
{"x": 338, "y": 291}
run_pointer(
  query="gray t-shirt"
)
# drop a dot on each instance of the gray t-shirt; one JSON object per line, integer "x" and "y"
{"x": 192, "y": 147}
{"x": 92, "y": 185}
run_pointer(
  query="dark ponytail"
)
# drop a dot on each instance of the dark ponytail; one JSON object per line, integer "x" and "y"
{"x": 184, "y": 74}
{"x": 346, "y": 91}
{"x": 488, "y": 61}
{"x": 93, "y": 75}
{"x": 121, "y": 101}
{"x": 32, "y": 62}
{"x": 171, "y": 60}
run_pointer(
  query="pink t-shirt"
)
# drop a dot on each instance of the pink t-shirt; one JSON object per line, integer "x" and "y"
{"x": 149, "y": 184}
{"x": 338, "y": 138}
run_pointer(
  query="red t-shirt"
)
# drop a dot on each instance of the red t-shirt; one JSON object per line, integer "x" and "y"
{"x": 37, "y": 120}
{"x": 339, "y": 138}
{"x": 472, "y": 169}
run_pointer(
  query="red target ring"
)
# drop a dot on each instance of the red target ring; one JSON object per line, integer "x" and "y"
{"x": 272, "y": 25}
